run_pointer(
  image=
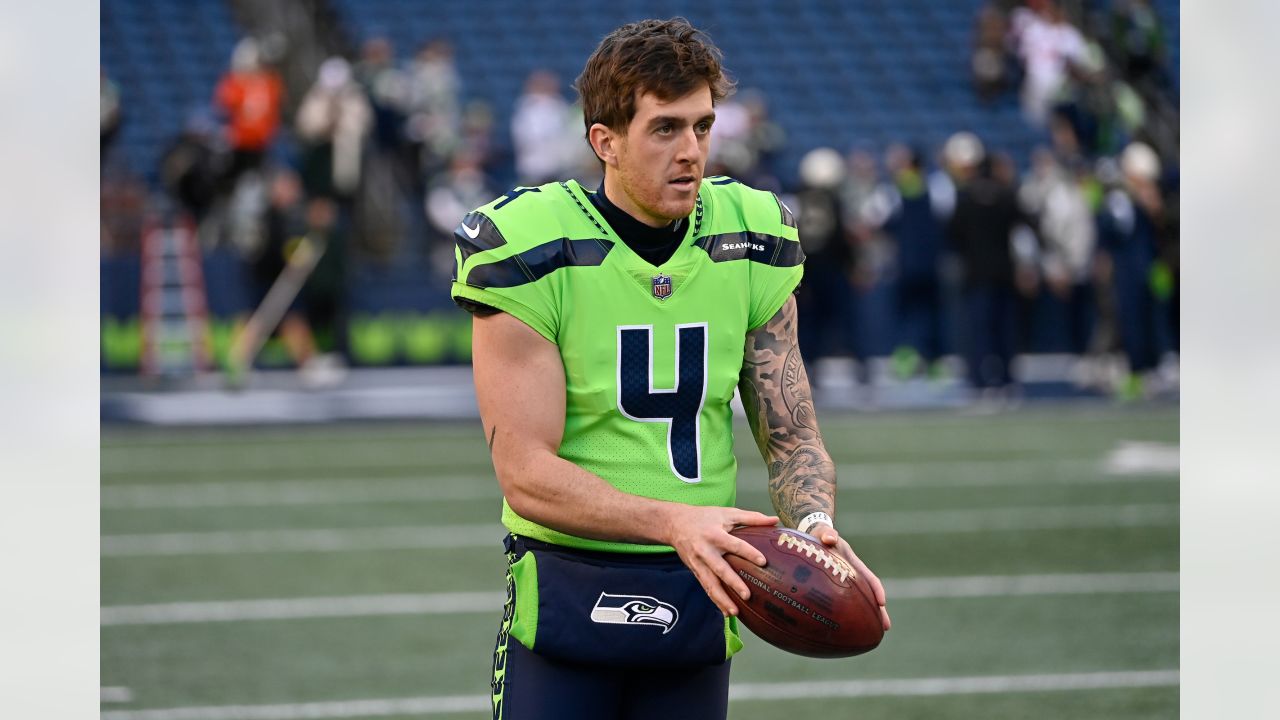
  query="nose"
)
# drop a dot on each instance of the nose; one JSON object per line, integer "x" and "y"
{"x": 687, "y": 149}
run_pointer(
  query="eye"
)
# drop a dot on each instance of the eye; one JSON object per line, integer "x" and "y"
{"x": 663, "y": 129}
{"x": 703, "y": 128}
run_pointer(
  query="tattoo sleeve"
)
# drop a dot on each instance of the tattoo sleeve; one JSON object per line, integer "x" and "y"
{"x": 779, "y": 405}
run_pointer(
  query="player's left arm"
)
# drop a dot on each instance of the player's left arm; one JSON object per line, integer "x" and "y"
{"x": 779, "y": 405}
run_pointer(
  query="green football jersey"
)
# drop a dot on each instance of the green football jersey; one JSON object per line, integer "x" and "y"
{"x": 651, "y": 354}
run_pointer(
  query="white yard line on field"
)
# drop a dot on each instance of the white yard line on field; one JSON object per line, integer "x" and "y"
{"x": 420, "y": 488}
{"x": 905, "y": 687}
{"x": 953, "y": 685}
{"x": 427, "y": 537}
{"x": 115, "y": 695}
{"x": 1020, "y": 585}
{"x": 489, "y": 602}
{"x": 303, "y": 608}
{"x": 267, "y": 460}
{"x": 344, "y": 491}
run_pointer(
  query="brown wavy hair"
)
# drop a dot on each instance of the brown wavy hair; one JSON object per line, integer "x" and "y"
{"x": 669, "y": 58}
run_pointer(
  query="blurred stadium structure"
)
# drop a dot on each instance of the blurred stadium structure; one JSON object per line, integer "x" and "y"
{"x": 370, "y": 127}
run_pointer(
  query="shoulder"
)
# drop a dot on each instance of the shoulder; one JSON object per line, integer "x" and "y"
{"x": 762, "y": 209}
{"x": 519, "y": 219}
{"x": 526, "y": 234}
{"x": 748, "y": 224}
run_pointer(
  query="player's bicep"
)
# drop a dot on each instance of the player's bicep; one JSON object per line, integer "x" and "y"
{"x": 775, "y": 387}
{"x": 520, "y": 388}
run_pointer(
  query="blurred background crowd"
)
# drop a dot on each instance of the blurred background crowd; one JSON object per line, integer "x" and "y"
{"x": 986, "y": 180}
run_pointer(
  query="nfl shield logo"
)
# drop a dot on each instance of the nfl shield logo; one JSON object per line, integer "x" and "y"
{"x": 662, "y": 286}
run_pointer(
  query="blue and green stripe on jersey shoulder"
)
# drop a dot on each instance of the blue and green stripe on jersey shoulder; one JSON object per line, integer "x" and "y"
{"x": 553, "y": 229}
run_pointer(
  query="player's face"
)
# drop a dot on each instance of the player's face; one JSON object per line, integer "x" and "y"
{"x": 661, "y": 157}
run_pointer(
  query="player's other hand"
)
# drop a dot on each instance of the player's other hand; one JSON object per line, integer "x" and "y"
{"x": 831, "y": 538}
{"x": 700, "y": 535}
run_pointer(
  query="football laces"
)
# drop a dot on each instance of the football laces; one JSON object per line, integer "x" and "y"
{"x": 834, "y": 564}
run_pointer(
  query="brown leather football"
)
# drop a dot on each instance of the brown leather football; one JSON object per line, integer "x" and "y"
{"x": 806, "y": 599}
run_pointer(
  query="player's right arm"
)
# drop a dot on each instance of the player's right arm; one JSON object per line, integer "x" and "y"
{"x": 520, "y": 387}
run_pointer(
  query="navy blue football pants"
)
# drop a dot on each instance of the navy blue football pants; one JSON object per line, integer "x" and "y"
{"x": 539, "y": 688}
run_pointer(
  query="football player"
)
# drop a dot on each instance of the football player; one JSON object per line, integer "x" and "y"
{"x": 611, "y": 327}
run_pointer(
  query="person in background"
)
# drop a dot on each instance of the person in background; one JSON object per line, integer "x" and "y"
{"x": 1024, "y": 245}
{"x": 765, "y": 138}
{"x": 478, "y": 137}
{"x": 250, "y": 95}
{"x": 324, "y": 294}
{"x": 825, "y": 299}
{"x": 281, "y": 223}
{"x": 539, "y": 129}
{"x": 287, "y": 221}
{"x": 450, "y": 194}
{"x": 918, "y": 237}
{"x": 333, "y": 122}
{"x": 191, "y": 166}
{"x": 866, "y": 208}
{"x": 387, "y": 89}
{"x": 981, "y": 231}
{"x": 991, "y": 63}
{"x": 1055, "y": 195}
{"x": 1130, "y": 225}
{"x": 1048, "y": 45}
{"x": 433, "y": 127}
{"x": 1138, "y": 37}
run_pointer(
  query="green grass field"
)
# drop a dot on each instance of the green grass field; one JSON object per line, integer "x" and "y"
{"x": 1025, "y": 580}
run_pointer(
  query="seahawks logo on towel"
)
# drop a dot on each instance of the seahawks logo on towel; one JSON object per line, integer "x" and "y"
{"x": 634, "y": 610}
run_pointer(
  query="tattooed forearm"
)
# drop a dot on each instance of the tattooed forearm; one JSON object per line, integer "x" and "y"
{"x": 802, "y": 484}
{"x": 779, "y": 404}
{"x": 775, "y": 388}
{"x": 795, "y": 392}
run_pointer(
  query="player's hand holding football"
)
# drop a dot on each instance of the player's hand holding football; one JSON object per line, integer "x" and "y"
{"x": 831, "y": 538}
{"x": 700, "y": 535}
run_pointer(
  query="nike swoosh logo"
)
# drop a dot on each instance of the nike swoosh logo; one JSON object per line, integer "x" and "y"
{"x": 472, "y": 233}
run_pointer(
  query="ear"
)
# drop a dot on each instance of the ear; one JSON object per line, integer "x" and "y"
{"x": 605, "y": 143}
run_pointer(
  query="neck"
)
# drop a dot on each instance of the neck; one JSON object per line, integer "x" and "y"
{"x": 618, "y": 196}
{"x": 655, "y": 245}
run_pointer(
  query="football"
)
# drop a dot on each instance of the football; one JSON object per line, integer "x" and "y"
{"x": 806, "y": 599}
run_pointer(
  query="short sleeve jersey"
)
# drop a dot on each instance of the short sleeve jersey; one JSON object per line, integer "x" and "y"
{"x": 651, "y": 354}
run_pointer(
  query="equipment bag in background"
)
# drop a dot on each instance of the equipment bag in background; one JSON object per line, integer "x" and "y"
{"x": 614, "y": 609}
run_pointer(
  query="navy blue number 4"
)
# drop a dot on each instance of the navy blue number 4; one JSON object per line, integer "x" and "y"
{"x": 679, "y": 407}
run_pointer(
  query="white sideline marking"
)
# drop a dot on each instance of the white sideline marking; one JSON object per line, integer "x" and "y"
{"x": 1016, "y": 585}
{"x": 303, "y": 608}
{"x": 486, "y": 602}
{"x": 907, "y": 687}
{"x": 309, "y": 541}
{"x": 265, "y": 458}
{"x": 1132, "y": 458}
{"x": 927, "y": 522}
{"x": 419, "y": 488}
{"x": 115, "y": 695}
{"x": 268, "y": 460}
{"x": 481, "y": 535}
{"x": 409, "y": 488}
{"x": 953, "y": 685}
{"x": 313, "y": 711}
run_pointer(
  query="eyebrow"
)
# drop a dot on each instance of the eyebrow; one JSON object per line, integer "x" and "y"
{"x": 674, "y": 120}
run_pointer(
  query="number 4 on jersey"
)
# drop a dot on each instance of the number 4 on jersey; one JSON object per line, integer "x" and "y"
{"x": 679, "y": 407}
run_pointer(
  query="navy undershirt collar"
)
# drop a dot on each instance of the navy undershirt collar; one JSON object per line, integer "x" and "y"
{"x": 655, "y": 245}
